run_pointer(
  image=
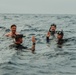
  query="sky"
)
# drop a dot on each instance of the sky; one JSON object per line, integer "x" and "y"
{"x": 38, "y": 6}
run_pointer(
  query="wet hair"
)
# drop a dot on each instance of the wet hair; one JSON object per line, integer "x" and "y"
{"x": 53, "y": 25}
{"x": 18, "y": 36}
{"x": 13, "y": 25}
{"x": 60, "y": 33}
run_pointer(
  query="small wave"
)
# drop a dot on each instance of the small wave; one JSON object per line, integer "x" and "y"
{"x": 7, "y": 30}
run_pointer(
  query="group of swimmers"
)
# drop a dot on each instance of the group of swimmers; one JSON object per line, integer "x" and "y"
{"x": 55, "y": 34}
{"x": 19, "y": 37}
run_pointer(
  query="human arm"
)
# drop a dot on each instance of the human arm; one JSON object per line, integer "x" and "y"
{"x": 33, "y": 44}
{"x": 47, "y": 37}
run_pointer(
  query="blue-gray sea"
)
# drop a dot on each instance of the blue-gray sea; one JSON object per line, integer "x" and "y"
{"x": 48, "y": 59}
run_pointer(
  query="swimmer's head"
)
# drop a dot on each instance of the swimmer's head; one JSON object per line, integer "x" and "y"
{"x": 53, "y": 27}
{"x": 19, "y": 38}
{"x": 60, "y": 34}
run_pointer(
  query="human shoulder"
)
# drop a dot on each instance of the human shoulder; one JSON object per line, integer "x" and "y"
{"x": 8, "y": 34}
{"x": 65, "y": 40}
{"x": 22, "y": 47}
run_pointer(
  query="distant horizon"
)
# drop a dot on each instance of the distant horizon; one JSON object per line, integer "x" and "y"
{"x": 40, "y": 13}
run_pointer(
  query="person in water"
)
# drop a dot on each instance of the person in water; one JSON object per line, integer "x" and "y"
{"x": 60, "y": 39}
{"x": 13, "y": 32}
{"x": 18, "y": 41}
{"x": 52, "y": 31}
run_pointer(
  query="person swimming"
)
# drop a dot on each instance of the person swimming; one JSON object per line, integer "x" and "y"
{"x": 60, "y": 39}
{"x": 13, "y": 32}
{"x": 52, "y": 31}
{"x": 19, "y": 40}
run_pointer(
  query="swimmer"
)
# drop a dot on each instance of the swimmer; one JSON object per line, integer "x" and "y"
{"x": 52, "y": 31}
{"x": 19, "y": 41}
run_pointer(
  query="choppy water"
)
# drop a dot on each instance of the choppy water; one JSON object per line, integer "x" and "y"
{"x": 48, "y": 60}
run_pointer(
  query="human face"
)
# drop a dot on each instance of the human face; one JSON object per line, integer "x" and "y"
{"x": 59, "y": 36}
{"x": 19, "y": 41}
{"x": 13, "y": 29}
{"x": 53, "y": 28}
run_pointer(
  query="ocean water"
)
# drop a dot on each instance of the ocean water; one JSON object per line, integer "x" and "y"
{"x": 49, "y": 59}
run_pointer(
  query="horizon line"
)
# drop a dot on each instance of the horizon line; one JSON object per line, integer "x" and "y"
{"x": 40, "y": 13}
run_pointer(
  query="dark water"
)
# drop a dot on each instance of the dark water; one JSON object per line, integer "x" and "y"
{"x": 48, "y": 60}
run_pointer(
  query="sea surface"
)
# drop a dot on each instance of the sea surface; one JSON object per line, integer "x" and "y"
{"x": 49, "y": 59}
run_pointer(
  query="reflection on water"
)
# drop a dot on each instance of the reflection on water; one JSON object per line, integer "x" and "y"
{"x": 50, "y": 59}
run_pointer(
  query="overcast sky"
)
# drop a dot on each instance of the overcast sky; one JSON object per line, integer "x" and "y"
{"x": 38, "y": 6}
